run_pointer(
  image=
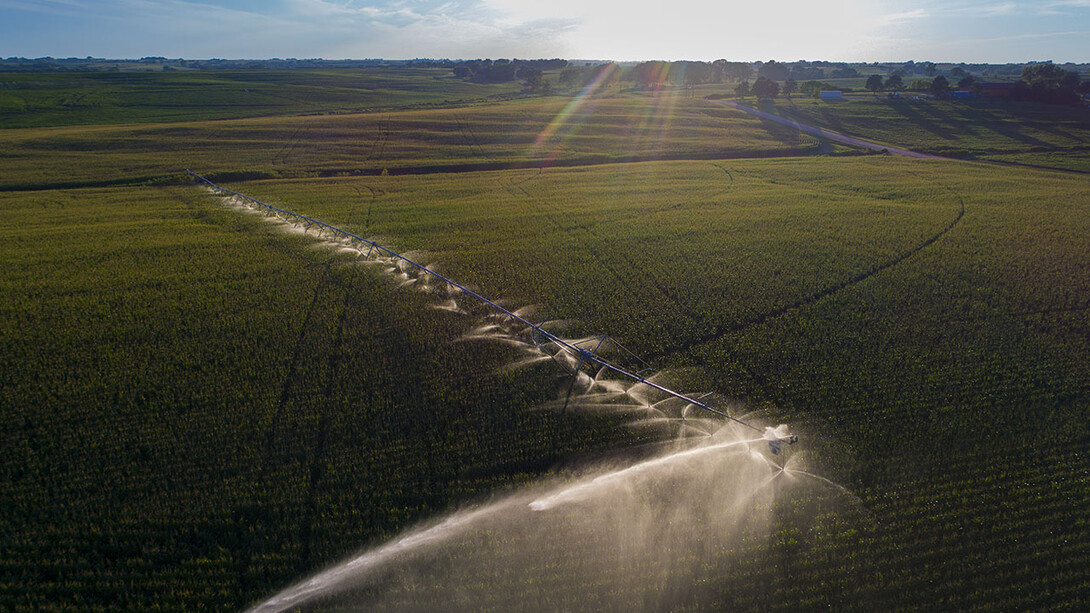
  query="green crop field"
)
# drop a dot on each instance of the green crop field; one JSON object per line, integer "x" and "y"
{"x": 64, "y": 99}
{"x": 530, "y": 132}
{"x": 200, "y": 408}
{"x": 1053, "y": 136}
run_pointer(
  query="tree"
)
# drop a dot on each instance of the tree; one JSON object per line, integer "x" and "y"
{"x": 939, "y": 86}
{"x": 571, "y": 77}
{"x": 719, "y": 68}
{"x": 814, "y": 88}
{"x": 966, "y": 82}
{"x": 766, "y": 88}
{"x": 742, "y": 89}
{"x": 696, "y": 73}
{"x": 1049, "y": 83}
{"x": 651, "y": 74}
{"x": 1046, "y": 72}
{"x": 737, "y": 71}
{"x": 920, "y": 85}
{"x": 874, "y": 83}
{"x": 773, "y": 70}
{"x": 895, "y": 82}
{"x": 535, "y": 79}
{"x": 1070, "y": 80}
{"x": 790, "y": 87}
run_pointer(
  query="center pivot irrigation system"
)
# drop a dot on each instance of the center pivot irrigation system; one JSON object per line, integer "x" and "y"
{"x": 776, "y": 437}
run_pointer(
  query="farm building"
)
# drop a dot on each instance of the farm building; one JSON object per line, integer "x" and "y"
{"x": 998, "y": 90}
{"x": 831, "y": 95}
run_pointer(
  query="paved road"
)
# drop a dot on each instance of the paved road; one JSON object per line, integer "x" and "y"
{"x": 833, "y": 136}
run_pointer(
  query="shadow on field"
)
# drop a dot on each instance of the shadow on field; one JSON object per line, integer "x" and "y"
{"x": 908, "y": 111}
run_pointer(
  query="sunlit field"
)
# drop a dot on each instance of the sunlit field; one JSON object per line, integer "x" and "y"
{"x": 58, "y": 99}
{"x": 205, "y": 408}
{"x": 1055, "y": 136}
{"x": 532, "y": 132}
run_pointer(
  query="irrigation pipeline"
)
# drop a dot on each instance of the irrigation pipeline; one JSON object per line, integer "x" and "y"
{"x": 586, "y": 356}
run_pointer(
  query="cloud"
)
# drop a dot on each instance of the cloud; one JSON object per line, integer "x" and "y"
{"x": 903, "y": 17}
{"x": 998, "y": 10}
{"x": 42, "y": 6}
{"x": 785, "y": 30}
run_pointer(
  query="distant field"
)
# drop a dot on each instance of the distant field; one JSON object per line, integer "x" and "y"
{"x": 63, "y": 99}
{"x": 535, "y": 131}
{"x": 1045, "y": 135}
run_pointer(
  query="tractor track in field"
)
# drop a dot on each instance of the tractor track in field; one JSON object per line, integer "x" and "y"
{"x": 288, "y": 382}
{"x": 317, "y": 466}
{"x": 280, "y": 158}
{"x": 1025, "y": 314}
{"x": 375, "y": 195}
{"x": 474, "y": 144}
{"x": 740, "y": 326}
{"x": 378, "y": 145}
{"x": 518, "y": 188}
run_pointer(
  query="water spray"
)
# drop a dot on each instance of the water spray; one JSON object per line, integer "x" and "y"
{"x": 574, "y": 351}
{"x": 777, "y": 436}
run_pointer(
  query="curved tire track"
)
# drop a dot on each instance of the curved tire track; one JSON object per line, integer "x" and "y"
{"x": 626, "y": 279}
{"x": 721, "y": 331}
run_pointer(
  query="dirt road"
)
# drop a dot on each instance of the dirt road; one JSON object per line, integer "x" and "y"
{"x": 833, "y": 136}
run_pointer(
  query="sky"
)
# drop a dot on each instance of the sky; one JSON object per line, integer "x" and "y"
{"x": 785, "y": 30}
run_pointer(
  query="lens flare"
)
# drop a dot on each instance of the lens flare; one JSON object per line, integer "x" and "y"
{"x": 574, "y": 114}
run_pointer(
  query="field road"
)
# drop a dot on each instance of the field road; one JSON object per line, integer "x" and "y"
{"x": 833, "y": 136}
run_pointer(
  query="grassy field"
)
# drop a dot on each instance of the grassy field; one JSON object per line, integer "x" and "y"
{"x": 528, "y": 132}
{"x": 66, "y": 99}
{"x": 150, "y": 463}
{"x": 1039, "y": 135}
{"x": 200, "y": 409}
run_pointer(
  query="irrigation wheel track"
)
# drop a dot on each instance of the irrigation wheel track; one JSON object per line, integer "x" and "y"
{"x": 317, "y": 466}
{"x": 555, "y": 217}
{"x": 290, "y": 377}
{"x": 721, "y": 331}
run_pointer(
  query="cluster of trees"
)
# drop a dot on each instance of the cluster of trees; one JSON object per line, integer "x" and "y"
{"x": 505, "y": 71}
{"x": 764, "y": 88}
{"x": 1040, "y": 82}
{"x": 803, "y": 70}
{"x": 938, "y": 86}
{"x": 1049, "y": 83}
{"x": 651, "y": 74}
{"x": 578, "y": 77}
{"x": 657, "y": 73}
{"x": 813, "y": 87}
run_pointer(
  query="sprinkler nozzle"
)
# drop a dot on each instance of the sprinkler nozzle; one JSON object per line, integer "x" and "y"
{"x": 777, "y": 436}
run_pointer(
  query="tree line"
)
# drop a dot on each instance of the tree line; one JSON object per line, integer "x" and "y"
{"x": 1040, "y": 82}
